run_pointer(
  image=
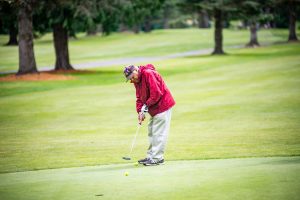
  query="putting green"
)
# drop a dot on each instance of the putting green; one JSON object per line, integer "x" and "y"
{"x": 248, "y": 178}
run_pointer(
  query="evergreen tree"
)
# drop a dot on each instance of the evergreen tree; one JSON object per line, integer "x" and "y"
{"x": 8, "y": 16}
{"x": 219, "y": 10}
{"x": 251, "y": 12}
{"x": 139, "y": 14}
{"x": 291, "y": 6}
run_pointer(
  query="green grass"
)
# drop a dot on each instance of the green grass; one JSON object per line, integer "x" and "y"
{"x": 245, "y": 104}
{"x": 242, "y": 105}
{"x": 159, "y": 42}
{"x": 229, "y": 179}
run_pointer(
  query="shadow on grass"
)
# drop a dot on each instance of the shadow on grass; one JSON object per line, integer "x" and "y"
{"x": 285, "y": 161}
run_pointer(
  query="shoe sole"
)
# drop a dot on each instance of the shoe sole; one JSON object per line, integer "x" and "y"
{"x": 148, "y": 165}
{"x": 142, "y": 163}
{"x": 153, "y": 164}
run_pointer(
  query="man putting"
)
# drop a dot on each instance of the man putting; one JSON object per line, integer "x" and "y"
{"x": 153, "y": 97}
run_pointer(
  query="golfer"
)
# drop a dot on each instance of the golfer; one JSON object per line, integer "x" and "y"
{"x": 153, "y": 97}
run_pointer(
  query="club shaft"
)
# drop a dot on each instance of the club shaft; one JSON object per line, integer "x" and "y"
{"x": 133, "y": 141}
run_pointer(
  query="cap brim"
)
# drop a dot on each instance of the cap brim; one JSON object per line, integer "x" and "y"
{"x": 129, "y": 77}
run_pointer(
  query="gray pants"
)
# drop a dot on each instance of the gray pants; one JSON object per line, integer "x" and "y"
{"x": 158, "y": 131}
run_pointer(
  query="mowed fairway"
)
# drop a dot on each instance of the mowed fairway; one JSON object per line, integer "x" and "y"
{"x": 127, "y": 45}
{"x": 234, "y": 132}
{"x": 253, "y": 179}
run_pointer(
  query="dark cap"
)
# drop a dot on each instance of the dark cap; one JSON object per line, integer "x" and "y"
{"x": 128, "y": 72}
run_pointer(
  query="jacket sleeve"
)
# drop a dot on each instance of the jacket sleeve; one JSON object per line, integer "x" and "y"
{"x": 139, "y": 102}
{"x": 155, "y": 91}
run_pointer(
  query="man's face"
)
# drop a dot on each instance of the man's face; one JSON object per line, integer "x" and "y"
{"x": 135, "y": 77}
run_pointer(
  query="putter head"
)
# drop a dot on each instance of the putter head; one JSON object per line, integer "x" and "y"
{"x": 126, "y": 158}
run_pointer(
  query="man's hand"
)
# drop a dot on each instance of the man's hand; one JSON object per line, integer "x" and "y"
{"x": 141, "y": 117}
{"x": 144, "y": 109}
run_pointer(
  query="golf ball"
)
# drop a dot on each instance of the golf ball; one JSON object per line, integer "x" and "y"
{"x": 126, "y": 173}
{"x": 136, "y": 164}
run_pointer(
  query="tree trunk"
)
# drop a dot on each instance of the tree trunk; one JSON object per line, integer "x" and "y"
{"x": 147, "y": 25}
{"x": 27, "y": 62}
{"x": 123, "y": 27}
{"x": 166, "y": 16}
{"x": 268, "y": 22}
{"x": 13, "y": 34}
{"x": 292, "y": 22}
{"x": 253, "y": 36}
{"x": 92, "y": 30}
{"x": 203, "y": 20}
{"x": 218, "y": 32}
{"x": 136, "y": 29}
{"x": 60, "y": 36}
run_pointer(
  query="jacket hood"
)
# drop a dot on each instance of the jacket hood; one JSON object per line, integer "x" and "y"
{"x": 143, "y": 68}
{"x": 148, "y": 66}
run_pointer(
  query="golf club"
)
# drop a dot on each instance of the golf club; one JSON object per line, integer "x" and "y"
{"x": 132, "y": 144}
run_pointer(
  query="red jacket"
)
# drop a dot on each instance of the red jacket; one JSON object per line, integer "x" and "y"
{"x": 152, "y": 91}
